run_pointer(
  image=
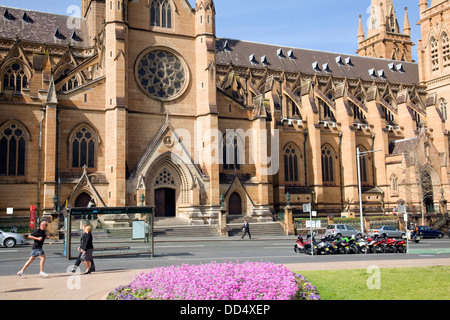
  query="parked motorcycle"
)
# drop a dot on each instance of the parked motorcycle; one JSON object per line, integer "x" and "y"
{"x": 352, "y": 248}
{"x": 300, "y": 245}
{"x": 324, "y": 246}
{"x": 390, "y": 245}
{"x": 380, "y": 245}
{"x": 311, "y": 245}
{"x": 401, "y": 245}
{"x": 362, "y": 244}
{"x": 339, "y": 245}
{"x": 371, "y": 245}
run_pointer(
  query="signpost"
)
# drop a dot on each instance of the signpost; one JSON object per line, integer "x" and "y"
{"x": 402, "y": 209}
{"x": 307, "y": 208}
{"x": 10, "y": 211}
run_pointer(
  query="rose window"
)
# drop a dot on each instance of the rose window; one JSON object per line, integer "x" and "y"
{"x": 162, "y": 74}
{"x": 164, "y": 178}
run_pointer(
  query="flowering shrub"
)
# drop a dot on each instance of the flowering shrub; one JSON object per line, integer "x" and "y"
{"x": 218, "y": 281}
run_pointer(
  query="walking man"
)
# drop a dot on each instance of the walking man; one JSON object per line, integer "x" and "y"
{"x": 246, "y": 229}
{"x": 39, "y": 237}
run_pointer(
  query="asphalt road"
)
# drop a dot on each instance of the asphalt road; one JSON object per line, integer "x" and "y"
{"x": 204, "y": 251}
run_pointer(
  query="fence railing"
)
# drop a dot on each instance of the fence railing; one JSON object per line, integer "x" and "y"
{"x": 301, "y": 223}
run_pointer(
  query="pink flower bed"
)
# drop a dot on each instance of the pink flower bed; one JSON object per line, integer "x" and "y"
{"x": 218, "y": 281}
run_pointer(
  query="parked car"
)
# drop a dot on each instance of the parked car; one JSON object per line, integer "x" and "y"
{"x": 343, "y": 230}
{"x": 10, "y": 239}
{"x": 388, "y": 231}
{"x": 428, "y": 232}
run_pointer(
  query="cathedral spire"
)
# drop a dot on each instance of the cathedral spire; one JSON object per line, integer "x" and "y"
{"x": 361, "y": 35}
{"x": 406, "y": 25}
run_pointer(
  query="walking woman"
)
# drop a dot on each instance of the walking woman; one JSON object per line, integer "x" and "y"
{"x": 87, "y": 248}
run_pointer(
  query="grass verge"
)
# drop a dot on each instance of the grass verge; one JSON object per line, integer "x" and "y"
{"x": 419, "y": 283}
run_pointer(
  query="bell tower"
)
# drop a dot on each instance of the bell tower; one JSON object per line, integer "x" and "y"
{"x": 94, "y": 12}
{"x": 385, "y": 39}
{"x": 205, "y": 82}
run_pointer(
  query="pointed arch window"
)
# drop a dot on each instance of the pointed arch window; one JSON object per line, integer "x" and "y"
{"x": 290, "y": 164}
{"x": 363, "y": 165}
{"x": 69, "y": 84}
{"x": 15, "y": 78}
{"x": 443, "y": 107}
{"x": 394, "y": 185}
{"x": 445, "y": 50}
{"x": 434, "y": 54}
{"x": 327, "y": 164}
{"x": 231, "y": 152}
{"x": 83, "y": 148}
{"x": 161, "y": 14}
{"x": 12, "y": 150}
{"x": 358, "y": 114}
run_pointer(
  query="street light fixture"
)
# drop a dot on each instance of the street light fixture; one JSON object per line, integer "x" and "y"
{"x": 358, "y": 155}
{"x": 55, "y": 202}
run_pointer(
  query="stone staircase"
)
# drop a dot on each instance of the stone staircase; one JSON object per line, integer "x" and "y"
{"x": 177, "y": 227}
{"x": 256, "y": 229}
{"x": 186, "y": 231}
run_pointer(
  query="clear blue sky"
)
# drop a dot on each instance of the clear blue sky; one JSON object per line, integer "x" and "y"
{"x": 326, "y": 25}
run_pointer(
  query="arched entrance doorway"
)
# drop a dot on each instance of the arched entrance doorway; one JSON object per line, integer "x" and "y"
{"x": 82, "y": 200}
{"x": 427, "y": 191}
{"x": 165, "y": 202}
{"x": 235, "y": 204}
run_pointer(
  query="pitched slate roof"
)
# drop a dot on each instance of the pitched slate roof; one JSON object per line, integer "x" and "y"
{"x": 42, "y": 27}
{"x": 280, "y": 58}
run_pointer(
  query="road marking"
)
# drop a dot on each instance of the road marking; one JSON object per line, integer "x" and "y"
{"x": 8, "y": 250}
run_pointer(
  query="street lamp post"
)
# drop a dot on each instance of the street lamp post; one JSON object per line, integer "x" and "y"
{"x": 358, "y": 155}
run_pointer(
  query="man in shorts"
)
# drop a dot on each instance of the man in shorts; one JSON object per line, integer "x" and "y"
{"x": 39, "y": 237}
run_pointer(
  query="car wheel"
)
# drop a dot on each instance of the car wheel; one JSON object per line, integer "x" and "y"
{"x": 339, "y": 235}
{"x": 440, "y": 236}
{"x": 9, "y": 242}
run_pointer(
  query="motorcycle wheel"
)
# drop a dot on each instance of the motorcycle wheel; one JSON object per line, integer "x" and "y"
{"x": 364, "y": 250}
{"x": 402, "y": 249}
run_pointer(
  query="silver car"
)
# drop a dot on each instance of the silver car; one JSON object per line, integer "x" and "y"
{"x": 343, "y": 230}
{"x": 388, "y": 231}
{"x": 10, "y": 239}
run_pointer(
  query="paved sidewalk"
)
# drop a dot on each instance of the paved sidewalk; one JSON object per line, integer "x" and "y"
{"x": 96, "y": 286}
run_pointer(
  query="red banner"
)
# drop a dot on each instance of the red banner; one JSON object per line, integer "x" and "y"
{"x": 32, "y": 217}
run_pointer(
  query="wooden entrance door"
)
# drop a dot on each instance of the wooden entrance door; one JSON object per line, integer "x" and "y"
{"x": 235, "y": 204}
{"x": 165, "y": 202}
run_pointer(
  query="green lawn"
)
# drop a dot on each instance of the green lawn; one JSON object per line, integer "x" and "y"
{"x": 424, "y": 283}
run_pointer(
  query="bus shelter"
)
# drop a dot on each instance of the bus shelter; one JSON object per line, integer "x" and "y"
{"x": 115, "y": 230}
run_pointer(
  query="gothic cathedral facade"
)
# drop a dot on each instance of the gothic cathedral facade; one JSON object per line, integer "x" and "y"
{"x": 138, "y": 102}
